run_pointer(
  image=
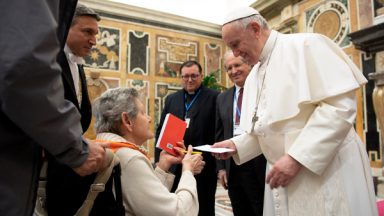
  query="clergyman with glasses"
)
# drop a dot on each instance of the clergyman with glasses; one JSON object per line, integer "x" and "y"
{"x": 196, "y": 105}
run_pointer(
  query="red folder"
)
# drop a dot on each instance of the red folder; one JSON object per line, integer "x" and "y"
{"x": 172, "y": 131}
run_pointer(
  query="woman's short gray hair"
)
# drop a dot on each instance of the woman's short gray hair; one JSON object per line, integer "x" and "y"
{"x": 108, "y": 107}
{"x": 254, "y": 18}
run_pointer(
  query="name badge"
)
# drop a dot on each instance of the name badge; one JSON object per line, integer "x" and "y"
{"x": 187, "y": 120}
{"x": 237, "y": 130}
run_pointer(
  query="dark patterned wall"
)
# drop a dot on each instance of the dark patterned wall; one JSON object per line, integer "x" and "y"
{"x": 138, "y": 52}
{"x": 370, "y": 126}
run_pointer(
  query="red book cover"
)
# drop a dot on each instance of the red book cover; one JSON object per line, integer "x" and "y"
{"x": 172, "y": 131}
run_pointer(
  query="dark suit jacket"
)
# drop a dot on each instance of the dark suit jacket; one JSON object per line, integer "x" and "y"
{"x": 33, "y": 112}
{"x": 201, "y": 131}
{"x": 244, "y": 177}
{"x": 70, "y": 93}
{"x": 66, "y": 190}
{"x": 224, "y": 123}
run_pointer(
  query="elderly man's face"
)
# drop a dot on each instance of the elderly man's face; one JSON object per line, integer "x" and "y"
{"x": 237, "y": 70}
{"x": 243, "y": 42}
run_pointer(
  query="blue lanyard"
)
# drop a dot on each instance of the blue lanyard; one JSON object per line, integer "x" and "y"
{"x": 235, "y": 99}
{"x": 188, "y": 106}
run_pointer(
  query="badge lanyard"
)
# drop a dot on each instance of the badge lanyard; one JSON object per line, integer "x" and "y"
{"x": 188, "y": 106}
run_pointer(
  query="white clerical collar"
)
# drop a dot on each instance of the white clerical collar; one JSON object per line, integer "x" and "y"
{"x": 268, "y": 47}
{"x": 72, "y": 57}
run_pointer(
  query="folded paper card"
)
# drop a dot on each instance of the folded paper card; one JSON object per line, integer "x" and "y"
{"x": 172, "y": 131}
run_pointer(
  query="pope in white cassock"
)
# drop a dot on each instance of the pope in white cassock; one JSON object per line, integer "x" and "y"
{"x": 298, "y": 110}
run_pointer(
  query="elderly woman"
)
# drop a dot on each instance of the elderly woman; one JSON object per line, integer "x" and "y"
{"x": 121, "y": 120}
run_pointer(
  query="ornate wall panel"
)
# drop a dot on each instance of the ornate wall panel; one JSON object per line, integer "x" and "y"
{"x": 146, "y": 54}
{"x": 106, "y": 53}
{"x": 162, "y": 90}
{"x": 330, "y": 18}
{"x": 138, "y": 52}
{"x": 172, "y": 52}
{"x": 371, "y": 130}
{"x": 96, "y": 86}
{"x": 212, "y": 56}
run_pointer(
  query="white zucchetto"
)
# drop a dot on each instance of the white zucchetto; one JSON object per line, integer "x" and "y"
{"x": 240, "y": 13}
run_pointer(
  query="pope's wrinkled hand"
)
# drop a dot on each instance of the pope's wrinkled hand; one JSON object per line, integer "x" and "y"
{"x": 283, "y": 171}
{"x": 224, "y": 144}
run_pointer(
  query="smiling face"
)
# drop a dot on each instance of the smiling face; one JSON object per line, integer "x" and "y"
{"x": 82, "y": 35}
{"x": 237, "y": 69}
{"x": 191, "y": 78}
{"x": 244, "y": 42}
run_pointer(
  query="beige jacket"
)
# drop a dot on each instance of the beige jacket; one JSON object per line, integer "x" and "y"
{"x": 146, "y": 190}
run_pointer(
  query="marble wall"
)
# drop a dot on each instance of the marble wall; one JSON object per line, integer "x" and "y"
{"x": 135, "y": 50}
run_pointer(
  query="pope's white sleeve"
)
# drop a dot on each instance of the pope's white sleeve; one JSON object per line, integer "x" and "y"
{"x": 326, "y": 129}
{"x": 247, "y": 146}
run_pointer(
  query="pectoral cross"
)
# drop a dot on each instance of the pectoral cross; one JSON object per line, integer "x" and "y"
{"x": 254, "y": 120}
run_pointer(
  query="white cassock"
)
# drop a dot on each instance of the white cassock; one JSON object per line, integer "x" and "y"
{"x": 307, "y": 109}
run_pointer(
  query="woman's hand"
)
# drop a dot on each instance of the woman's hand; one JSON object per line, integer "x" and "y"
{"x": 166, "y": 160}
{"x": 193, "y": 163}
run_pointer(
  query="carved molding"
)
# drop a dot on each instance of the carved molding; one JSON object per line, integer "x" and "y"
{"x": 369, "y": 39}
{"x": 155, "y": 18}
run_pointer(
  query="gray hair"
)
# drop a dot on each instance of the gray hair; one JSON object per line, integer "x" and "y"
{"x": 254, "y": 18}
{"x": 82, "y": 10}
{"x": 108, "y": 107}
{"x": 228, "y": 53}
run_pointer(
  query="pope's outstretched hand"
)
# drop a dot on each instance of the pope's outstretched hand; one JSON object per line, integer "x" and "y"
{"x": 224, "y": 144}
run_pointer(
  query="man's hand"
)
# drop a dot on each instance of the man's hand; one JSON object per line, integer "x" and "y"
{"x": 283, "y": 171}
{"x": 95, "y": 161}
{"x": 224, "y": 144}
{"x": 222, "y": 176}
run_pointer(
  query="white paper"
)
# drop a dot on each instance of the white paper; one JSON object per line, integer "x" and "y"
{"x": 208, "y": 148}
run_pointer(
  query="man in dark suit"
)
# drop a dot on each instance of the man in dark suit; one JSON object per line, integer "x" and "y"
{"x": 195, "y": 104}
{"x": 245, "y": 183}
{"x": 66, "y": 190}
{"x": 33, "y": 112}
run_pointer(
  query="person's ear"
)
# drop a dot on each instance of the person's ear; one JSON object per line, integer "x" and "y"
{"x": 255, "y": 27}
{"x": 127, "y": 123}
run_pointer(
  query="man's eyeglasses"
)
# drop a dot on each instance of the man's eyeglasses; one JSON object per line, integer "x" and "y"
{"x": 192, "y": 76}
{"x": 234, "y": 66}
